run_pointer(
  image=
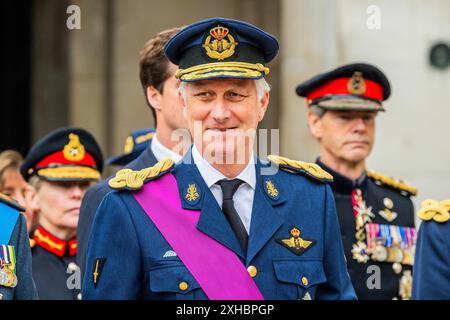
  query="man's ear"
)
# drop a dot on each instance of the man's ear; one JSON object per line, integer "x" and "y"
{"x": 315, "y": 124}
{"x": 154, "y": 97}
{"x": 264, "y": 104}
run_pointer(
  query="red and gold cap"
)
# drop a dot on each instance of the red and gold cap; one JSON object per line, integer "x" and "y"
{"x": 66, "y": 154}
{"x": 357, "y": 86}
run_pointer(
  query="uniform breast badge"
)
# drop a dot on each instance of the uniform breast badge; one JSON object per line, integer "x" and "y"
{"x": 8, "y": 276}
{"x": 387, "y": 212}
{"x": 295, "y": 243}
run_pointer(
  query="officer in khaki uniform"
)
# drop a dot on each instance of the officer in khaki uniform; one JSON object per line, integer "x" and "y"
{"x": 16, "y": 280}
{"x": 375, "y": 211}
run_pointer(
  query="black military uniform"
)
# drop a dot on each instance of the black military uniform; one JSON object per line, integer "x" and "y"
{"x": 66, "y": 154}
{"x": 375, "y": 212}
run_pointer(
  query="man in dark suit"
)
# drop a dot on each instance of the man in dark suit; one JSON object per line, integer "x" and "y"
{"x": 161, "y": 92}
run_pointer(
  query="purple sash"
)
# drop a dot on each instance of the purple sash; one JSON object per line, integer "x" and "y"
{"x": 217, "y": 269}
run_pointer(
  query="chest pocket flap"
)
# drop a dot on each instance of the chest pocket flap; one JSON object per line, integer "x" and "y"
{"x": 306, "y": 273}
{"x": 173, "y": 278}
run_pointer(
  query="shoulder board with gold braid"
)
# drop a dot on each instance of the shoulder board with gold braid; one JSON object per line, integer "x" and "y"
{"x": 10, "y": 202}
{"x": 134, "y": 179}
{"x": 309, "y": 169}
{"x": 435, "y": 210}
{"x": 391, "y": 182}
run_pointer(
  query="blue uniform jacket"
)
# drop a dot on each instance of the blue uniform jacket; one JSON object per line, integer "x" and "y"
{"x": 431, "y": 277}
{"x": 136, "y": 262}
{"x": 92, "y": 200}
{"x": 25, "y": 289}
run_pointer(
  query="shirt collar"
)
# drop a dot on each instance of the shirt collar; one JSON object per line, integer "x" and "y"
{"x": 161, "y": 152}
{"x": 211, "y": 175}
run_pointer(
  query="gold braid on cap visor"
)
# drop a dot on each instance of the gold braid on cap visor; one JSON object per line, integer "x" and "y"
{"x": 230, "y": 69}
{"x": 69, "y": 172}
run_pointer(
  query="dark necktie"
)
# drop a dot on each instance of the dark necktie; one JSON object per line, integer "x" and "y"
{"x": 229, "y": 187}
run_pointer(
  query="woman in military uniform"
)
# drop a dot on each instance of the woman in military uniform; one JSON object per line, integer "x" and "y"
{"x": 61, "y": 166}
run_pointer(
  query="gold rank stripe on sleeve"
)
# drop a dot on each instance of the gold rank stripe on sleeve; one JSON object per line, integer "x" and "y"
{"x": 293, "y": 166}
{"x": 435, "y": 210}
{"x": 134, "y": 180}
{"x": 391, "y": 182}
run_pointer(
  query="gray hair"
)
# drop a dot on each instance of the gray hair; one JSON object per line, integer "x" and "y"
{"x": 262, "y": 86}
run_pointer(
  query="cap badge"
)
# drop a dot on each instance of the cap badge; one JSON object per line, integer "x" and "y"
{"x": 219, "y": 44}
{"x": 295, "y": 243}
{"x": 74, "y": 150}
{"x": 356, "y": 84}
{"x": 129, "y": 144}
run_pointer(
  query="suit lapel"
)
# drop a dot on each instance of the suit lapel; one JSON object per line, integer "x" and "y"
{"x": 265, "y": 220}
{"x": 195, "y": 195}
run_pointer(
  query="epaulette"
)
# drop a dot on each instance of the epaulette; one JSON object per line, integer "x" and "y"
{"x": 135, "y": 179}
{"x": 309, "y": 169}
{"x": 391, "y": 182}
{"x": 11, "y": 202}
{"x": 432, "y": 209}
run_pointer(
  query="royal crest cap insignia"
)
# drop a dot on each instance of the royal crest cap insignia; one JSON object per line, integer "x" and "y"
{"x": 74, "y": 150}
{"x": 295, "y": 243}
{"x": 356, "y": 84}
{"x": 219, "y": 44}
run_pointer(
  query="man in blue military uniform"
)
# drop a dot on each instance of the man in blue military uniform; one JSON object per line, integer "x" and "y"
{"x": 136, "y": 143}
{"x": 431, "y": 280}
{"x": 220, "y": 224}
{"x": 375, "y": 212}
{"x": 161, "y": 92}
{"x": 16, "y": 280}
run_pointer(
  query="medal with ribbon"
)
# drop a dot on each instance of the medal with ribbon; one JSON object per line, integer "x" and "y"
{"x": 8, "y": 276}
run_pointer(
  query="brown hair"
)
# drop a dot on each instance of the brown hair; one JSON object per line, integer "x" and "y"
{"x": 9, "y": 159}
{"x": 153, "y": 64}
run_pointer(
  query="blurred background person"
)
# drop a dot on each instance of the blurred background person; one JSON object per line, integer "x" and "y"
{"x": 135, "y": 144}
{"x": 160, "y": 88}
{"x": 13, "y": 185}
{"x": 60, "y": 167}
{"x": 376, "y": 212}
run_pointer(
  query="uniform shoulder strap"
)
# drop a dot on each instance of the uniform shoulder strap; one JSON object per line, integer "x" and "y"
{"x": 310, "y": 170}
{"x": 391, "y": 182}
{"x": 435, "y": 210}
{"x": 134, "y": 179}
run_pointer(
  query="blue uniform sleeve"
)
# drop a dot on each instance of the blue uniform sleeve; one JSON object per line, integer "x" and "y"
{"x": 431, "y": 276}
{"x": 338, "y": 285}
{"x": 26, "y": 288}
{"x": 113, "y": 266}
{"x": 91, "y": 202}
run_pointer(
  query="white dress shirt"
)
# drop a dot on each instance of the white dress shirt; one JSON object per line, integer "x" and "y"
{"x": 161, "y": 152}
{"x": 243, "y": 198}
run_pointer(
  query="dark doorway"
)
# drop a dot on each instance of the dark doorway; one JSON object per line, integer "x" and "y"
{"x": 15, "y": 75}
